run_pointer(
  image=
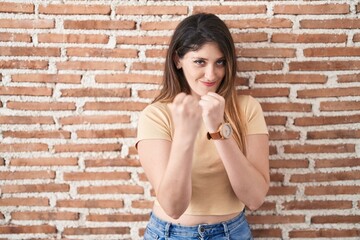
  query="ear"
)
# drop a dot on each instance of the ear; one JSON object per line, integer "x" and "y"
{"x": 177, "y": 61}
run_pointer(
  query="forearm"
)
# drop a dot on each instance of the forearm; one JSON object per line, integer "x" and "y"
{"x": 248, "y": 183}
{"x": 174, "y": 191}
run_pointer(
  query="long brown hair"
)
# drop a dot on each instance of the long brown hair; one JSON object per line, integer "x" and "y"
{"x": 190, "y": 35}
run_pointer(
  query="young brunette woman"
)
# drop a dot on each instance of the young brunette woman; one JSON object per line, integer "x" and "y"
{"x": 203, "y": 148}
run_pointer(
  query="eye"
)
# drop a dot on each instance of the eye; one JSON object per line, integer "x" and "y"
{"x": 221, "y": 62}
{"x": 199, "y": 62}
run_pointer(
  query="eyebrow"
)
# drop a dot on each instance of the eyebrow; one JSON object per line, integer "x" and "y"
{"x": 201, "y": 58}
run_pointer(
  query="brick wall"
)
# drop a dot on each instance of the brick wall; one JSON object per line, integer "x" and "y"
{"x": 74, "y": 77}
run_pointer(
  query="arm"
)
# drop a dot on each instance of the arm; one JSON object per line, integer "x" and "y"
{"x": 248, "y": 175}
{"x": 168, "y": 164}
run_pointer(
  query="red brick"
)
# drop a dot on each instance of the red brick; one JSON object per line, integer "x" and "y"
{"x": 329, "y": 92}
{"x": 142, "y": 204}
{"x": 99, "y": 24}
{"x": 286, "y": 107}
{"x": 340, "y": 106}
{"x": 27, "y": 23}
{"x": 356, "y": 37}
{"x": 32, "y": 188}
{"x": 266, "y": 233}
{"x": 330, "y": 24}
{"x": 326, "y": 120}
{"x": 275, "y": 120}
{"x": 124, "y": 106}
{"x": 148, "y": 93}
{"x": 259, "y": 66}
{"x": 326, "y": 177}
{"x": 312, "y": 9}
{"x": 128, "y": 78}
{"x": 311, "y": 205}
{"x": 96, "y": 231}
{"x": 280, "y": 191}
{"x": 27, "y": 175}
{"x": 147, "y": 66}
{"x": 277, "y": 177}
{"x": 324, "y": 65}
{"x": 265, "y": 92}
{"x": 231, "y": 9}
{"x": 26, "y": 120}
{"x": 163, "y": 25}
{"x": 28, "y": 201}
{"x": 19, "y": 64}
{"x": 333, "y": 134}
{"x": 308, "y": 38}
{"x": 290, "y": 78}
{"x": 289, "y": 163}
{"x": 338, "y": 162}
{"x": 264, "y": 219}
{"x": 45, "y": 216}
{"x": 73, "y": 38}
{"x": 90, "y": 204}
{"x": 72, "y": 9}
{"x": 332, "y": 52}
{"x": 151, "y": 10}
{"x": 86, "y": 147}
{"x": 143, "y": 40}
{"x": 110, "y": 133}
{"x": 250, "y": 37}
{"x": 116, "y": 162}
{"x": 96, "y": 92}
{"x": 47, "y": 78}
{"x": 29, "y": 91}
{"x": 43, "y": 161}
{"x": 96, "y": 176}
{"x": 327, "y": 233}
{"x": 260, "y": 23}
{"x": 348, "y": 78}
{"x": 61, "y": 134}
{"x": 332, "y": 190}
{"x": 14, "y": 229}
{"x": 118, "y": 217}
{"x": 30, "y": 51}
{"x": 101, "y": 52}
{"x": 117, "y": 189}
{"x": 8, "y": 7}
{"x": 155, "y": 53}
{"x": 266, "y": 52}
{"x": 15, "y": 37}
{"x": 313, "y": 148}
{"x": 90, "y": 65}
{"x": 284, "y": 135}
{"x": 94, "y": 119}
{"x": 42, "y": 106}
{"x": 23, "y": 147}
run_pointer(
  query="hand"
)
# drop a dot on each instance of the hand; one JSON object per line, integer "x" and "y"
{"x": 186, "y": 114}
{"x": 213, "y": 106}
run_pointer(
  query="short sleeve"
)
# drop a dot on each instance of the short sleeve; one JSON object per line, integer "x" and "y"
{"x": 255, "y": 121}
{"x": 154, "y": 123}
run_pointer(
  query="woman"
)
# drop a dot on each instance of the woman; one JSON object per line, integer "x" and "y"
{"x": 203, "y": 148}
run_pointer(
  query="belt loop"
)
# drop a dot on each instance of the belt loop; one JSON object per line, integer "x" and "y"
{"x": 167, "y": 230}
{"x": 226, "y": 230}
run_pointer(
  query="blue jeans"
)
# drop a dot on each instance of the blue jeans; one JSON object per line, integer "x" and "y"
{"x": 233, "y": 229}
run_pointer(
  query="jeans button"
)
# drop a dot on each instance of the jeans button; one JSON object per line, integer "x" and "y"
{"x": 202, "y": 229}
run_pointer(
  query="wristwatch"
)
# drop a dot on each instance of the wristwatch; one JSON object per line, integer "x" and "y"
{"x": 223, "y": 132}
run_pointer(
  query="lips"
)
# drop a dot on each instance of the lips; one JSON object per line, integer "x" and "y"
{"x": 209, "y": 84}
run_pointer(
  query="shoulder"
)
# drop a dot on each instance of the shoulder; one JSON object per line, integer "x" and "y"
{"x": 157, "y": 110}
{"x": 247, "y": 103}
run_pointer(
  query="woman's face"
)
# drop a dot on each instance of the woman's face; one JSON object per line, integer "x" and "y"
{"x": 203, "y": 69}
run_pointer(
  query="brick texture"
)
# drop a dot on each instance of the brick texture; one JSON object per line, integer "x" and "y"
{"x": 74, "y": 76}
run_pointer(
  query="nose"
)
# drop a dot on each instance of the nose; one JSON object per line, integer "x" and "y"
{"x": 210, "y": 72}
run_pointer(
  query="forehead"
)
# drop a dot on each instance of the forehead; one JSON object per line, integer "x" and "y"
{"x": 209, "y": 50}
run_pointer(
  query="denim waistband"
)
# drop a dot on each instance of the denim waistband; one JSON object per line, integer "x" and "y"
{"x": 191, "y": 231}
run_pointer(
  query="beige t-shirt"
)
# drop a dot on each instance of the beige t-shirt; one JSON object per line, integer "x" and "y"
{"x": 212, "y": 193}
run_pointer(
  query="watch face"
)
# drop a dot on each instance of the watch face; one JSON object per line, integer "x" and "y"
{"x": 226, "y": 130}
